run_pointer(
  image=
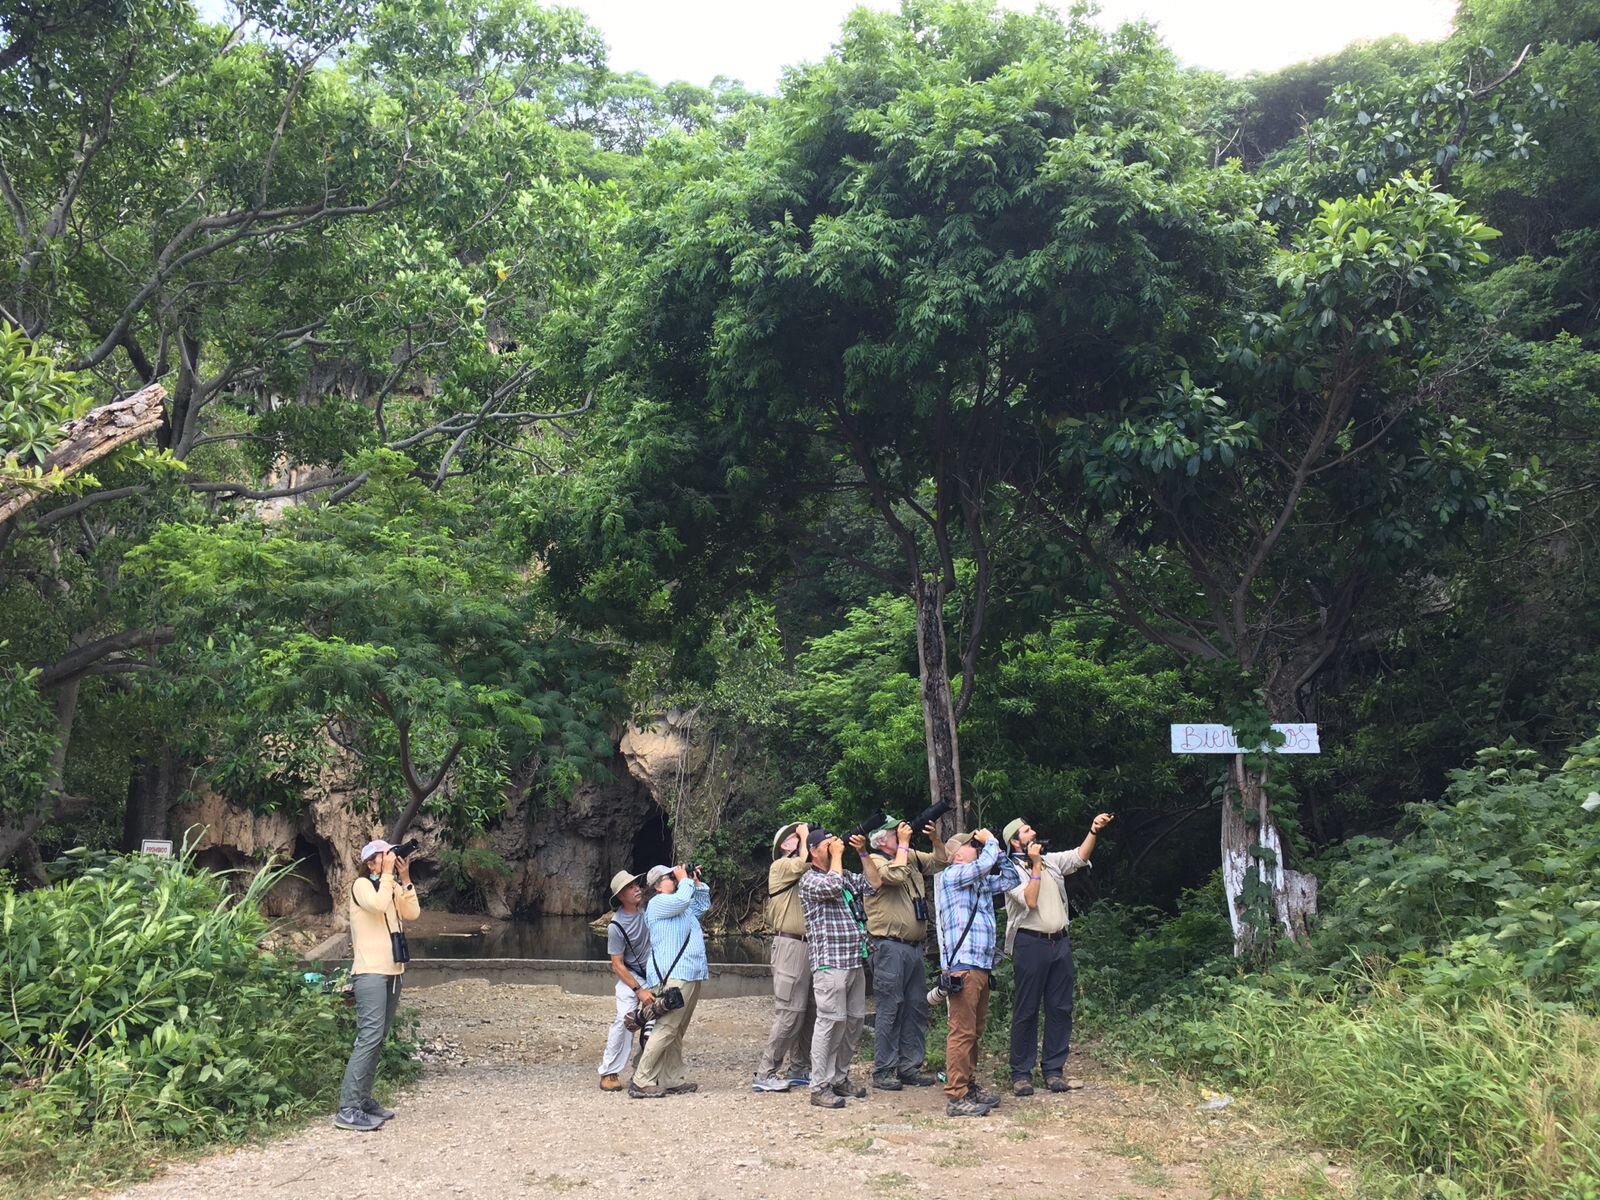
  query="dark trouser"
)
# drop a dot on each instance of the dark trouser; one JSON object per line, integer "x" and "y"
{"x": 900, "y": 986}
{"x": 377, "y": 997}
{"x": 1043, "y": 973}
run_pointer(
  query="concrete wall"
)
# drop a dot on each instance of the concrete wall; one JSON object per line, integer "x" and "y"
{"x": 579, "y": 977}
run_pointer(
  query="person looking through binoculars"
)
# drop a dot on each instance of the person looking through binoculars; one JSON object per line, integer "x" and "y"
{"x": 380, "y": 902}
{"x": 966, "y": 955}
{"x": 897, "y": 922}
{"x": 836, "y": 933}
{"x": 1041, "y": 952}
{"x": 794, "y": 1009}
{"x": 675, "y": 968}
{"x": 627, "y": 945}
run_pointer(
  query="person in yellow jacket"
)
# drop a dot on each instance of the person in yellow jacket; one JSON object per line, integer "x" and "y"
{"x": 380, "y": 902}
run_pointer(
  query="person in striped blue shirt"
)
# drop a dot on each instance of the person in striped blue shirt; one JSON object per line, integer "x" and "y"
{"x": 677, "y": 959}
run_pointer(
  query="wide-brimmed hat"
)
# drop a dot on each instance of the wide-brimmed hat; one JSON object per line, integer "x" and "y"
{"x": 783, "y": 832}
{"x": 621, "y": 880}
{"x": 1010, "y": 831}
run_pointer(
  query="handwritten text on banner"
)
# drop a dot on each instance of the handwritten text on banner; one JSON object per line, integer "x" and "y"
{"x": 1219, "y": 739}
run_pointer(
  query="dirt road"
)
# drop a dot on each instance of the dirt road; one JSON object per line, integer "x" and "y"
{"x": 509, "y": 1106}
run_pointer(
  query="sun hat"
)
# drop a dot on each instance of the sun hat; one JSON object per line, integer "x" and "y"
{"x": 375, "y": 846}
{"x": 621, "y": 880}
{"x": 783, "y": 832}
{"x": 1011, "y": 828}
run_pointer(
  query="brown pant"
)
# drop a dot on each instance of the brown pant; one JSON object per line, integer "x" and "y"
{"x": 969, "y": 1009}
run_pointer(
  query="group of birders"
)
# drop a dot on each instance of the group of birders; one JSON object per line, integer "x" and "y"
{"x": 831, "y": 929}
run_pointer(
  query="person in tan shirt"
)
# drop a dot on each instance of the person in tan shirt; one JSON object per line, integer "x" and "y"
{"x": 795, "y": 1008}
{"x": 1041, "y": 953}
{"x": 380, "y": 902}
{"x": 897, "y": 923}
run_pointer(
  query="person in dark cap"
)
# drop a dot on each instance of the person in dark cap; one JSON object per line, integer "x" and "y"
{"x": 628, "y": 945}
{"x": 794, "y": 1009}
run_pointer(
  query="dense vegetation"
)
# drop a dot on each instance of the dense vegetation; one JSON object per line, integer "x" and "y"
{"x": 997, "y": 393}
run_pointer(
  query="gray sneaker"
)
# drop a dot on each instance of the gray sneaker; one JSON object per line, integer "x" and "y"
{"x": 770, "y": 1083}
{"x": 966, "y": 1107}
{"x": 356, "y": 1121}
{"x": 373, "y": 1109}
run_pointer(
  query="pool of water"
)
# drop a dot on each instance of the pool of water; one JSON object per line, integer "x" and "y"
{"x": 563, "y": 938}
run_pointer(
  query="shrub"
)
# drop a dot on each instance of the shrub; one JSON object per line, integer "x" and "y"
{"x": 136, "y": 1008}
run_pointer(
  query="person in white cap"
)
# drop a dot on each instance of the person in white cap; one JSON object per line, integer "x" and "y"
{"x": 628, "y": 944}
{"x": 380, "y": 902}
{"x": 794, "y": 1005}
{"x": 676, "y": 964}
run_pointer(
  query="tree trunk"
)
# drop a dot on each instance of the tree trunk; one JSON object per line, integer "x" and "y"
{"x": 16, "y": 832}
{"x": 938, "y": 714}
{"x": 1259, "y": 886}
{"x": 89, "y": 438}
{"x": 152, "y": 791}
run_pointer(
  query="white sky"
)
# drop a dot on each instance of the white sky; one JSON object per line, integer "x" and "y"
{"x": 753, "y": 40}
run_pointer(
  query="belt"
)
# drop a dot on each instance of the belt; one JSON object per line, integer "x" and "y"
{"x": 1049, "y": 937}
{"x": 799, "y": 937}
{"x": 884, "y": 937}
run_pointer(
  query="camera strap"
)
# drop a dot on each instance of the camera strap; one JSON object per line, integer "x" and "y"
{"x": 971, "y": 917}
{"x": 675, "y": 959}
{"x": 638, "y": 970}
{"x": 785, "y": 888}
{"x": 384, "y": 913}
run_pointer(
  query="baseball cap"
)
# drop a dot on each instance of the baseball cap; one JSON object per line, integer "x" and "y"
{"x": 655, "y": 875}
{"x": 890, "y": 825}
{"x": 816, "y": 838}
{"x": 1010, "y": 831}
{"x": 375, "y": 846}
{"x": 955, "y": 842}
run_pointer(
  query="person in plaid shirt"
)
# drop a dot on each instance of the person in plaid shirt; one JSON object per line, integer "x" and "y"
{"x": 967, "y": 951}
{"x": 836, "y": 938}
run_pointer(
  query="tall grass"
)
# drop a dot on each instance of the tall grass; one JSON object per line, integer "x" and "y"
{"x": 138, "y": 1011}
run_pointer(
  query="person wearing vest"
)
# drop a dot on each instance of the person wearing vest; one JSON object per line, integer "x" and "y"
{"x": 897, "y": 922}
{"x": 379, "y": 905}
{"x": 628, "y": 946}
{"x": 677, "y": 959}
{"x": 794, "y": 1007}
{"x": 1041, "y": 953}
{"x": 837, "y": 947}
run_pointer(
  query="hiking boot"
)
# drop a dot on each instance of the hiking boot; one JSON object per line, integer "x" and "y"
{"x": 373, "y": 1109}
{"x": 683, "y": 1089}
{"x": 917, "y": 1079}
{"x": 850, "y": 1090}
{"x": 356, "y": 1121}
{"x": 1022, "y": 1087}
{"x": 826, "y": 1099}
{"x": 771, "y": 1083}
{"x": 644, "y": 1093}
{"x": 1057, "y": 1084}
{"x": 966, "y": 1107}
{"x": 887, "y": 1083}
{"x": 610, "y": 1083}
{"x": 990, "y": 1099}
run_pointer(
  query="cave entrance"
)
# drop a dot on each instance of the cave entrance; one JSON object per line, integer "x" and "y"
{"x": 653, "y": 843}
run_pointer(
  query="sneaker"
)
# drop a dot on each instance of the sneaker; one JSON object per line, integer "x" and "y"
{"x": 610, "y": 1083}
{"x": 1021, "y": 1087}
{"x": 644, "y": 1093}
{"x": 800, "y": 1079}
{"x": 771, "y": 1083}
{"x": 356, "y": 1121}
{"x": 966, "y": 1107}
{"x": 373, "y": 1109}
{"x": 917, "y": 1079}
{"x": 826, "y": 1099}
{"x": 683, "y": 1089}
{"x": 974, "y": 1092}
{"x": 887, "y": 1083}
{"x": 845, "y": 1088}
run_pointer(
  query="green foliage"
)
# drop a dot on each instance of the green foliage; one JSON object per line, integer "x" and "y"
{"x": 468, "y": 873}
{"x": 36, "y": 399}
{"x": 136, "y": 1009}
{"x": 28, "y": 737}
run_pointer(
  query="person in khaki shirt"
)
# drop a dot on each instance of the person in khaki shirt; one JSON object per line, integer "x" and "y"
{"x": 897, "y": 923}
{"x": 795, "y": 1008}
{"x": 380, "y": 900}
{"x": 1041, "y": 953}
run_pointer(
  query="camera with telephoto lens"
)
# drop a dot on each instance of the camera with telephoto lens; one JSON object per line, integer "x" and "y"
{"x": 406, "y": 848}
{"x": 865, "y": 827}
{"x": 928, "y": 815}
{"x": 668, "y": 1000}
{"x": 948, "y": 985}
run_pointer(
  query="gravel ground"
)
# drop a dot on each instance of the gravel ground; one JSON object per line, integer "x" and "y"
{"x": 508, "y": 1106}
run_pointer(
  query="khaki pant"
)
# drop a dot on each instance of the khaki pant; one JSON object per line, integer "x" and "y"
{"x": 969, "y": 1009}
{"x": 841, "y": 1016}
{"x": 661, "y": 1064}
{"x": 794, "y": 1009}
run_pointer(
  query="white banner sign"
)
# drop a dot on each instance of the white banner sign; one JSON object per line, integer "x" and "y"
{"x": 157, "y": 846}
{"x": 1219, "y": 739}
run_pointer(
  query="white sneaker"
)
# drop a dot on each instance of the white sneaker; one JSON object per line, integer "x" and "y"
{"x": 769, "y": 1083}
